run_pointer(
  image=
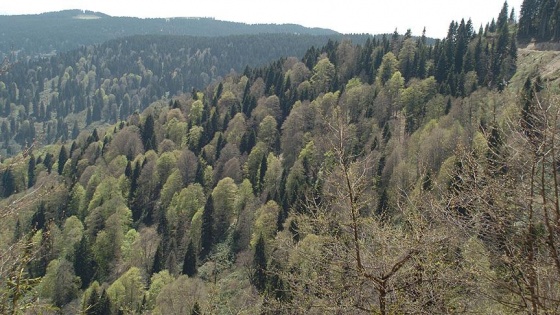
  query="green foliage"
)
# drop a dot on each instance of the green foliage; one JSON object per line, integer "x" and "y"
{"x": 127, "y": 292}
{"x": 251, "y": 185}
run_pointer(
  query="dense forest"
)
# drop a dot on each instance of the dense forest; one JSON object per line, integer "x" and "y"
{"x": 368, "y": 175}
{"x": 540, "y": 20}
{"x": 53, "y": 98}
{"x": 42, "y": 34}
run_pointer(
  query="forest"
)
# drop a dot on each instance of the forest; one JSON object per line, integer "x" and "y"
{"x": 49, "y": 33}
{"x": 384, "y": 174}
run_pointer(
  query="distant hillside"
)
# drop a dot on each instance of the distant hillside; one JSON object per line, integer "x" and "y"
{"x": 39, "y": 34}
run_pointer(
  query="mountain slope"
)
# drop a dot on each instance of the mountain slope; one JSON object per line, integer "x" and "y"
{"x": 32, "y": 35}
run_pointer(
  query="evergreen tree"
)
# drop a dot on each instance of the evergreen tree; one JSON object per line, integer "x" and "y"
{"x": 62, "y": 158}
{"x": 48, "y": 162}
{"x": 75, "y": 130}
{"x": 207, "y": 228}
{"x": 8, "y": 183}
{"x": 39, "y": 220}
{"x": 91, "y": 307}
{"x": 262, "y": 172}
{"x": 189, "y": 263}
{"x": 31, "y": 171}
{"x": 159, "y": 261}
{"x": 104, "y": 306}
{"x": 259, "y": 265}
{"x": 275, "y": 286}
{"x": 84, "y": 263}
{"x": 148, "y": 134}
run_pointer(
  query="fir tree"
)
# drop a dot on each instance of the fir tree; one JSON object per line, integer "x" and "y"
{"x": 62, "y": 158}
{"x": 159, "y": 261}
{"x": 91, "y": 307}
{"x": 189, "y": 263}
{"x": 148, "y": 134}
{"x": 259, "y": 265}
{"x": 207, "y": 228}
{"x": 8, "y": 183}
{"x": 104, "y": 306}
{"x": 84, "y": 263}
{"x": 48, "y": 162}
{"x": 31, "y": 171}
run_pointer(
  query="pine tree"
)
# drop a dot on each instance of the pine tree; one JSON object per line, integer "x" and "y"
{"x": 259, "y": 265}
{"x": 189, "y": 263}
{"x": 207, "y": 228}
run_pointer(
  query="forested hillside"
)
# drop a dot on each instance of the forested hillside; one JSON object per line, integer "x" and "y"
{"x": 40, "y": 34}
{"x": 54, "y": 98}
{"x": 383, "y": 176}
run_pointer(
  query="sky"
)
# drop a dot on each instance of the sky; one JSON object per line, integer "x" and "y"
{"x": 346, "y": 16}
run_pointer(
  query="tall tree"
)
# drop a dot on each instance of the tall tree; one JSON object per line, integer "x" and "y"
{"x": 62, "y": 158}
{"x": 259, "y": 265}
{"x": 189, "y": 263}
{"x": 31, "y": 171}
{"x": 207, "y": 228}
{"x": 159, "y": 260}
{"x": 148, "y": 134}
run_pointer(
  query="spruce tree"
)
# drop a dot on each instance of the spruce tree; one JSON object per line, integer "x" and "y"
{"x": 31, "y": 171}
{"x": 189, "y": 263}
{"x": 8, "y": 183}
{"x": 159, "y": 261}
{"x": 207, "y": 228}
{"x": 48, "y": 162}
{"x": 104, "y": 307}
{"x": 259, "y": 265}
{"x": 91, "y": 307}
{"x": 62, "y": 158}
{"x": 148, "y": 134}
{"x": 84, "y": 263}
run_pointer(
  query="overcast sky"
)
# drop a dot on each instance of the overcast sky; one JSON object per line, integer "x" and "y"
{"x": 345, "y": 16}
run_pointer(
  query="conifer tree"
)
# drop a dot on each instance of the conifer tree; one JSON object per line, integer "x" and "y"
{"x": 104, "y": 307}
{"x": 189, "y": 263}
{"x": 91, "y": 307}
{"x": 207, "y": 228}
{"x": 148, "y": 134}
{"x": 48, "y": 162}
{"x": 84, "y": 263}
{"x": 159, "y": 261}
{"x": 31, "y": 171}
{"x": 62, "y": 158}
{"x": 259, "y": 265}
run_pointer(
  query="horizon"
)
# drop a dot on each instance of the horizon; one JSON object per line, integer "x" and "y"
{"x": 348, "y": 19}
